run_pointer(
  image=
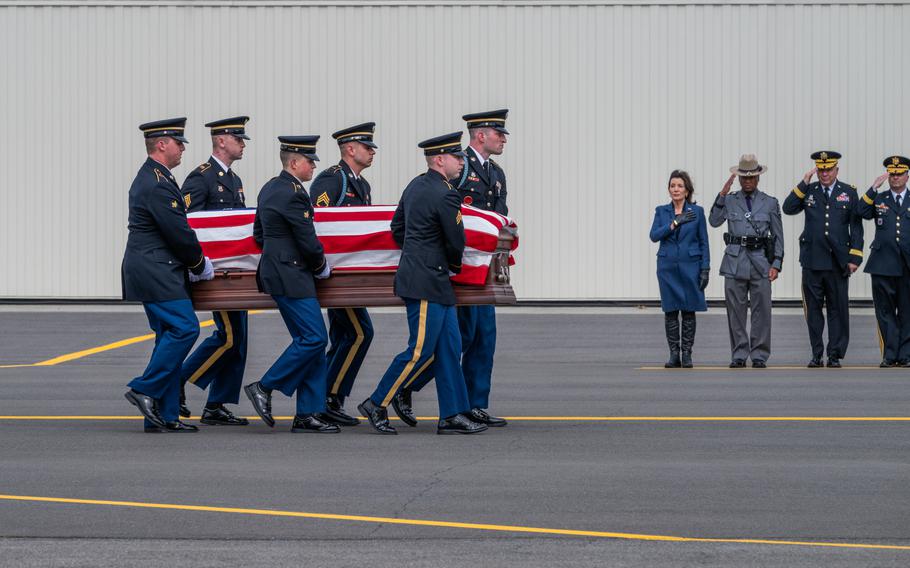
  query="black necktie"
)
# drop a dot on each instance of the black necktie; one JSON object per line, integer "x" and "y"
{"x": 749, "y": 202}
{"x": 897, "y": 199}
{"x": 827, "y": 193}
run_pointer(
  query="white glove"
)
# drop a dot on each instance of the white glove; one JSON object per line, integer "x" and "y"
{"x": 451, "y": 274}
{"x": 208, "y": 272}
{"x": 325, "y": 272}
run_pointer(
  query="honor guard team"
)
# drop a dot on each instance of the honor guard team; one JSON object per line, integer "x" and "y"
{"x": 163, "y": 256}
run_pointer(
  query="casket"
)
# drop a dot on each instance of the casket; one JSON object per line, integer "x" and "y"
{"x": 233, "y": 289}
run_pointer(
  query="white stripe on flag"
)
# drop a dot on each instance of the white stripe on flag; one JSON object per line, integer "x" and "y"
{"x": 350, "y": 228}
{"x": 237, "y": 233}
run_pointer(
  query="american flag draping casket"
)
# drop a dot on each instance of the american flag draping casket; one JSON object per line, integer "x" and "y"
{"x": 359, "y": 246}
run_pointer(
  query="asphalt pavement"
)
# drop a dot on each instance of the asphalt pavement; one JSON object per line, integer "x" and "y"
{"x": 608, "y": 460}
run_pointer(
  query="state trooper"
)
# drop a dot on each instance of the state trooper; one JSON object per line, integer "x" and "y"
{"x": 428, "y": 227}
{"x": 830, "y": 251}
{"x": 350, "y": 329}
{"x": 889, "y": 260}
{"x": 161, "y": 247}
{"x": 752, "y": 260}
{"x": 219, "y": 361}
{"x": 291, "y": 258}
{"x": 482, "y": 184}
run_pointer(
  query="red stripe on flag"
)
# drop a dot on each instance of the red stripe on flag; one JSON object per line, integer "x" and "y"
{"x": 357, "y": 243}
{"x": 472, "y": 275}
{"x": 481, "y": 241}
{"x": 221, "y": 221}
{"x": 339, "y": 215}
{"x": 222, "y": 249}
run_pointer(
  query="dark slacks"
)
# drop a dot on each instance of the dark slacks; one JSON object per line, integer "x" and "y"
{"x": 219, "y": 361}
{"x": 827, "y": 289}
{"x": 176, "y": 330}
{"x": 350, "y": 334}
{"x": 891, "y": 296}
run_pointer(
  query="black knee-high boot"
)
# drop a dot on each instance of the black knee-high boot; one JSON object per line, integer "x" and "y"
{"x": 671, "y": 326}
{"x": 688, "y": 338}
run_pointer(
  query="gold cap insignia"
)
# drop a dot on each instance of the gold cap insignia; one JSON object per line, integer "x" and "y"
{"x": 824, "y": 156}
{"x": 895, "y": 160}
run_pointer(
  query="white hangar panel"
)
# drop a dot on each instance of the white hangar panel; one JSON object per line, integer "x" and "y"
{"x": 606, "y": 99}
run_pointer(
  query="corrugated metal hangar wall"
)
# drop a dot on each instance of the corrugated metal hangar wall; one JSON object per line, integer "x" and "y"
{"x": 606, "y": 99}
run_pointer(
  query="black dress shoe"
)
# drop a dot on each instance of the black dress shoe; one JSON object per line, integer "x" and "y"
{"x": 221, "y": 416}
{"x": 184, "y": 409}
{"x": 759, "y": 364}
{"x": 834, "y": 363}
{"x": 401, "y": 404}
{"x": 180, "y": 427}
{"x": 886, "y": 363}
{"x": 147, "y": 405}
{"x": 737, "y": 363}
{"x": 312, "y": 423}
{"x": 377, "y": 415}
{"x": 459, "y": 424}
{"x": 335, "y": 414}
{"x": 815, "y": 363}
{"x": 262, "y": 402}
{"x": 482, "y": 417}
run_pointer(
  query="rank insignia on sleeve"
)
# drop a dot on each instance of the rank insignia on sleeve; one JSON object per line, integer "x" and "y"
{"x": 187, "y": 198}
{"x": 174, "y": 204}
{"x": 458, "y": 218}
{"x": 323, "y": 199}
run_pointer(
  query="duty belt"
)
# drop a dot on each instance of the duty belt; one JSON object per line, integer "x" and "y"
{"x": 747, "y": 241}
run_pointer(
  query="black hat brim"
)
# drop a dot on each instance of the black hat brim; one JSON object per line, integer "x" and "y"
{"x": 313, "y": 157}
{"x": 500, "y": 129}
{"x": 180, "y": 139}
{"x": 368, "y": 143}
{"x": 244, "y": 136}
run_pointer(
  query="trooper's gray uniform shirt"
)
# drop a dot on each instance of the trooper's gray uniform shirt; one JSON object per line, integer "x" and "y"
{"x": 745, "y": 270}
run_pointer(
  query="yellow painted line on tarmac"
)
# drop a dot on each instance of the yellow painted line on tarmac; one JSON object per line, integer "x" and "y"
{"x": 50, "y": 417}
{"x": 768, "y": 368}
{"x": 102, "y": 348}
{"x": 446, "y": 524}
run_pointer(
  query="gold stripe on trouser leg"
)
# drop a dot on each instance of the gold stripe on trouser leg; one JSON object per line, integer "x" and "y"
{"x": 419, "y": 372}
{"x": 881, "y": 340}
{"x": 418, "y": 349}
{"x": 802, "y": 290}
{"x": 228, "y": 343}
{"x": 353, "y": 351}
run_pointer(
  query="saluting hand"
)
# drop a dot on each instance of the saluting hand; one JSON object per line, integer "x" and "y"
{"x": 728, "y": 185}
{"x": 880, "y": 180}
{"x": 808, "y": 177}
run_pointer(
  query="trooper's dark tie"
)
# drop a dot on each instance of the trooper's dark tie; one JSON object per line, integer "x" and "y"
{"x": 749, "y": 202}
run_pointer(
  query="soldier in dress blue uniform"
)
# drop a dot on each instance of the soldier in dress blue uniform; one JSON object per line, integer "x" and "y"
{"x": 219, "y": 361}
{"x": 428, "y": 227}
{"x": 291, "y": 258}
{"x": 161, "y": 247}
{"x": 350, "y": 329}
{"x": 889, "y": 260}
{"x": 752, "y": 260}
{"x": 482, "y": 184}
{"x": 830, "y": 250}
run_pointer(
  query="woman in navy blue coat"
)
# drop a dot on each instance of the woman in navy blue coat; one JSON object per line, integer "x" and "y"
{"x": 683, "y": 263}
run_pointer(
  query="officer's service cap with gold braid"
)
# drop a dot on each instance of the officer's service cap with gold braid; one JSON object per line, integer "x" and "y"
{"x": 445, "y": 144}
{"x": 896, "y": 165}
{"x": 172, "y": 127}
{"x": 362, "y": 133}
{"x": 495, "y": 119}
{"x": 235, "y": 125}
{"x": 826, "y": 159}
{"x": 305, "y": 145}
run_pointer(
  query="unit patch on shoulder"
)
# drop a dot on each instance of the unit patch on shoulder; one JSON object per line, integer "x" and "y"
{"x": 187, "y": 198}
{"x": 323, "y": 199}
{"x": 458, "y": 218}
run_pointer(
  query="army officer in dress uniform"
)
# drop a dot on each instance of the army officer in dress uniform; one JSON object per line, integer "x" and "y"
{"x": 428, "y": 227}
{"x": 752, "y": 260}
{"x": 291, "y": 258}
{"x": 350, "y": 329}
{"x": 889, "y": 260}
{"x": 160, "y": 249}
{"x": 482, "y": 184}
{"x": 219, "y": 361}
{"x": 830, "y": 250}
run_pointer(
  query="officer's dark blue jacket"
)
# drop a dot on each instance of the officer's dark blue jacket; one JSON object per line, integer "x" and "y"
{"x": 326, "y": 189}
{"x": 833, "y": 232}
{"x": 480, "y": 190}
{"x": 209, "y": 188}
{"x": 888, "y": 252}
{"x": 284, "y": 228}
{"x": 161, "y": 245}
{"x": 428, "y": 227}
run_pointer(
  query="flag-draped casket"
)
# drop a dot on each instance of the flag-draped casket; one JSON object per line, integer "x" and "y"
{"x": 359, "y": 246}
